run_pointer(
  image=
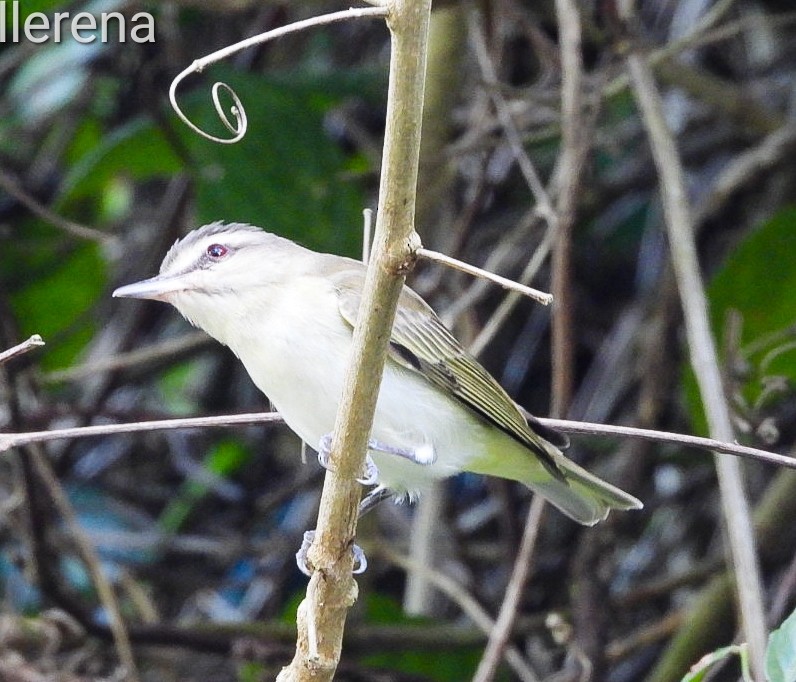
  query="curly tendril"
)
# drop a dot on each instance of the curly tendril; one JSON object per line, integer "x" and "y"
{"x": 238, "y": 113}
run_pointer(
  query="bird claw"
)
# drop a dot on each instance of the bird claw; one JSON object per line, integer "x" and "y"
{"x": 360, "y": 560}
{"x": 370, "y": 475}
{"x": 301, "y": 555}
{"x": 325, "y": 450}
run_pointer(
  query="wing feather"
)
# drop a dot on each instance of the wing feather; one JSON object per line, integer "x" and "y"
{"x": 421, "y": 343}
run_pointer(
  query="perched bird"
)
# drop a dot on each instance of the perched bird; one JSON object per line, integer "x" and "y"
{"x": 288, "y": 313}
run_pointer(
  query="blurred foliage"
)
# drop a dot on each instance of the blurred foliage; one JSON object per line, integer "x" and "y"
{"x": 225, "y": 459}
{"x": 780, "y": 656}
{"x": 757, "y": 283}
{"x": 448, "y": 666}
{"x": 285, "y": 175}
{"x": 781, "y": 652}
{"x": 57, "y": 302}
{"x": 199, "y": 529}
{"x": 137, "y": 150}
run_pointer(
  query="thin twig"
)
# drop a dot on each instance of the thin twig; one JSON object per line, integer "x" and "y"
{"x": 27, "y": 345}
{"x": 12, "y": 186}
{"x": 702, "y": 351}
{"x": 367, "y": 233}
{"x": 91, "y": 560}
{"x": 424, "y": 548}
{"x": 748, "y": 166}
{"x": 675, "y": 47}
{"x": 464, "y": 600}
{"x": 501, "y": 631}
{"x": 11, "y": 440}
{"x": 570, "y": 163}
{"x": 513, "y": 137}
{"x": 535, "y": 294}
{"x": 500, "y": 258}
{"x": 332, "y": 589}
{"x": 158, "y": 352}
{"x": 710, "y": 444}
{"x": 501, "y": 313}
{"x": 238, "y": 128}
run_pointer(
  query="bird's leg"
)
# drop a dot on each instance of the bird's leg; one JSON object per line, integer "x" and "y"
{"x": 423, "y": 454}
{"x": 373, "y": 499}
{"x": 360, "y": 560}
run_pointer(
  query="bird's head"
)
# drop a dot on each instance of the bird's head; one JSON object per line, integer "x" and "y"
{"x": 212, "y": 272}
{"x": 216, "y": 259}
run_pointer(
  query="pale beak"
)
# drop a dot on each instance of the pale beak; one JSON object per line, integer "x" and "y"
{"x": 156, "y": 288}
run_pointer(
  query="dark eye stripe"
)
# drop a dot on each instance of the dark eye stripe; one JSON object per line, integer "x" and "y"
{"x": 217, "y": 251}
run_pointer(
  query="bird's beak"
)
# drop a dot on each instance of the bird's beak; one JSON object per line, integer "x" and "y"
{"x": 158, "y": 288}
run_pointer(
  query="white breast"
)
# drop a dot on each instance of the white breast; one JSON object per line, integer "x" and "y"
{"x": 295, "y": 346}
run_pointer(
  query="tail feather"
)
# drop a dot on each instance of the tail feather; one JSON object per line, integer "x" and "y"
{"x": 577, "y": 493}
{"x": 583, "y": 496}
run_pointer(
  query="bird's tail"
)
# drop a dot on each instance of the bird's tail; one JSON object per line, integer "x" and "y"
{"x": 582, "y": 496}
{"x": 579, "y": 494}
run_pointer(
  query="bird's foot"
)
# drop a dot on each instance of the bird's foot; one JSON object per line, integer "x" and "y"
{"x": 360, "y": 560}
{"x": 370, "y": 476}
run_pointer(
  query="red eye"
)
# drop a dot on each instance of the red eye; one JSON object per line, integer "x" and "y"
{"x": 217, "y": 251}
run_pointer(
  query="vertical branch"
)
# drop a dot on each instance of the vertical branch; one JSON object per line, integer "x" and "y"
{"x": 570, "y": 164}
{"x": 501, "y": 632}
{"x": 703, "y": 356}
{"x": 121, "y": 638}
{"x": 332, "y": 590}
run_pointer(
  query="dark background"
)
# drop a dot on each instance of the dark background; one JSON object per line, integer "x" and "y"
{"x": 197, "y": 530}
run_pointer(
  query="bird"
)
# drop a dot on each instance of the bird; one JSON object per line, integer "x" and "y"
{"x": 288, "y": 313}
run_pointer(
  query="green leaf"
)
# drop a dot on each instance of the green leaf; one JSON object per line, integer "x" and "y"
{"x": 137, "y": 150}
{"x": 758, "y": 281}
{"x": 227, "y": 457}
{"x": 443, "y": 666}
{"x": 223, "y": 460}
{"x": 177, "y": 386}
{"x": 781, "y": 652}
{"x": 700, "y": 669}
{"x": 286, "y": 175}
{"x": 251, "y": 671}
{"x": 57, "y": 302}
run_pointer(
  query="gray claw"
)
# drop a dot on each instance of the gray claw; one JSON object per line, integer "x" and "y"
{"x": 371, "y": 474}
{"x": 360, "y": 560}
{"x": 301, "y": 555}
{"x": 325, "y": 450}
{"x": 369, "y": 477}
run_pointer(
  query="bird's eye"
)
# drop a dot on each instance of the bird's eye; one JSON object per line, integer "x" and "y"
{"x": 217, "y": 251}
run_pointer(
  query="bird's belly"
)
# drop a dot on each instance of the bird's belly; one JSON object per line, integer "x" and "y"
{"x": 303, "y": 384}
{"x": 410, "y": 413}
{"x": 306, "y": 387}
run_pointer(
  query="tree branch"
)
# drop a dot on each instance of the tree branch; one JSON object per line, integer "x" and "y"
{"x": 21, "y": 348}
{"x": 12, "y": 440}
{"x": 332, "y": 590}
{"x": 702, "y": 351}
